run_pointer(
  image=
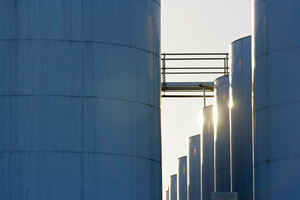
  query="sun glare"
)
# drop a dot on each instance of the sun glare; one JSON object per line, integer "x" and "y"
{"x": 230, "y": 98}
{"x": 215, "y": 122}
{"x": 201, "y": 120}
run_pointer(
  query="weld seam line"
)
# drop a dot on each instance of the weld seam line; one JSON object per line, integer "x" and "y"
{"x": 156, "y": 2}
{"x": 85, "y": 41}
{"x": 278, "y": 50}
{"x": 276, "y": 105}
{"x": 277, "y": 159}
{"x": 260, "y": 2}
{"x": 90, "y": 97}
{"x": 87, "y": 152}
{"x": 222, "y": 169}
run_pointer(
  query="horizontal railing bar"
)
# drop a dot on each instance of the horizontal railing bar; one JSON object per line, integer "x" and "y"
{"x": 187, "y": 96}
{"x": 195, "y": 68}
{"x": 194, "y": 72}
{"x": 200, "y": 54}
{"x": 194, "y": 58}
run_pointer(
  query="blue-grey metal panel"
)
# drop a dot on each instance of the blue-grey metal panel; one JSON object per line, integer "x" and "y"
{"x": 129, "y": 81}
{"x": 40, "y": 175}
{"x": 80, "y": 99}
{"x": 224, "y": 196}
{"x": 173, "y": 187}
{"x": 207, "y": 165}
{"x": 182, "y": 178}
{"x": 97, "y": 170}
{"x": 222, "y": 136}
{"x": 240, "y": 119}
{"x": 121, "y": 24}
{"x": 194, "y": 182}
{"x": 276, "y": 99}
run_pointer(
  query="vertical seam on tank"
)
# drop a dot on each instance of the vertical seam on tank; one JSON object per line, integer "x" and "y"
{"x": 202, "y": 153}
{"x": 230, "y": 127}
{"x": 215, "y": 129}
{"x": 228, "y": 135}
{"x": 253, "y": 63}
{"x": 82, "y": 105}
{"x": 268, "y": 100}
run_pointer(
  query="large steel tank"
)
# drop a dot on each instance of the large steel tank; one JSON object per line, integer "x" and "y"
{"x": 182, "y": 178}
{"x": 207, "y": 160}
{"x": 173, "y": 187}
{"x": 221, "y": 136}
{"x": 276, "y": 99}
{"x": 80, "y": 99}
{"x": 194, "y": 181}
{"x": 241, "y": 119}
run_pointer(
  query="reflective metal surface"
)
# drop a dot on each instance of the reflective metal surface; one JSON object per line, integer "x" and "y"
{"x": 173, "y": 187}
{"x": 240, "y": 119}
{"x": 207, "y": 162}
{"x": 222, "y": 136}
{"x": 80, "y": 99}
{"x": 276, "y": 99}
{"x": 182, "y": 178}
{"x": 194, "y": 184}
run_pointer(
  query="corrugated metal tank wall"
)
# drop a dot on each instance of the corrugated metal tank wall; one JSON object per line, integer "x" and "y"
{"x": 80, "y": 99}
{"x": 173, "y": 187}
{"x": 194, "y": 181}
{"x": 182, "y": 178}
{"x": 207, "y": 163}
{"x": 240, "y": 119}
{"x": 276, "y": 99}
{"x": 222, "y": 136}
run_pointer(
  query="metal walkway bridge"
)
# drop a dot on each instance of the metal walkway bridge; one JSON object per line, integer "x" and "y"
{"x": 179, "y": 67}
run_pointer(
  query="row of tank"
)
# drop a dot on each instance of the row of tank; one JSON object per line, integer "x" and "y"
{"x": 220, "y": 159}
{"x": 252, "y": 148}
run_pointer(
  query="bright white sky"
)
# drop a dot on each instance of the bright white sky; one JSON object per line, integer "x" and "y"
{"x": 194, "y": 26}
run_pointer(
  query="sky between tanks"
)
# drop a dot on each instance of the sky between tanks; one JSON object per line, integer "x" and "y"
{"x": 194, "y": 26}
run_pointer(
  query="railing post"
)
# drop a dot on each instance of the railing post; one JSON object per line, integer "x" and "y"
{"x": 204, "y": 99}
{"x": 226, "y": 64}
{"x": 164, "y": 71}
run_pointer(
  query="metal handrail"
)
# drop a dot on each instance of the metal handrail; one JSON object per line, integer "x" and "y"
{"x": 199, "y": 54}
{"x": 186, "y": 69}
{"x": 180, "y": 70}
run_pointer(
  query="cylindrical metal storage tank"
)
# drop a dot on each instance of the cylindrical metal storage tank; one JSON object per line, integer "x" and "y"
{"x": 194, "y": 184}
{"x": 207, "y": 161}
{"x": 276, "y": 99}
{"x": 221, "y": 136}
{"x": 80, "y": 99}
{"x": 240, "y": 119}
{"x": 173, "y": 187}
{"x": 182, "y": 178}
